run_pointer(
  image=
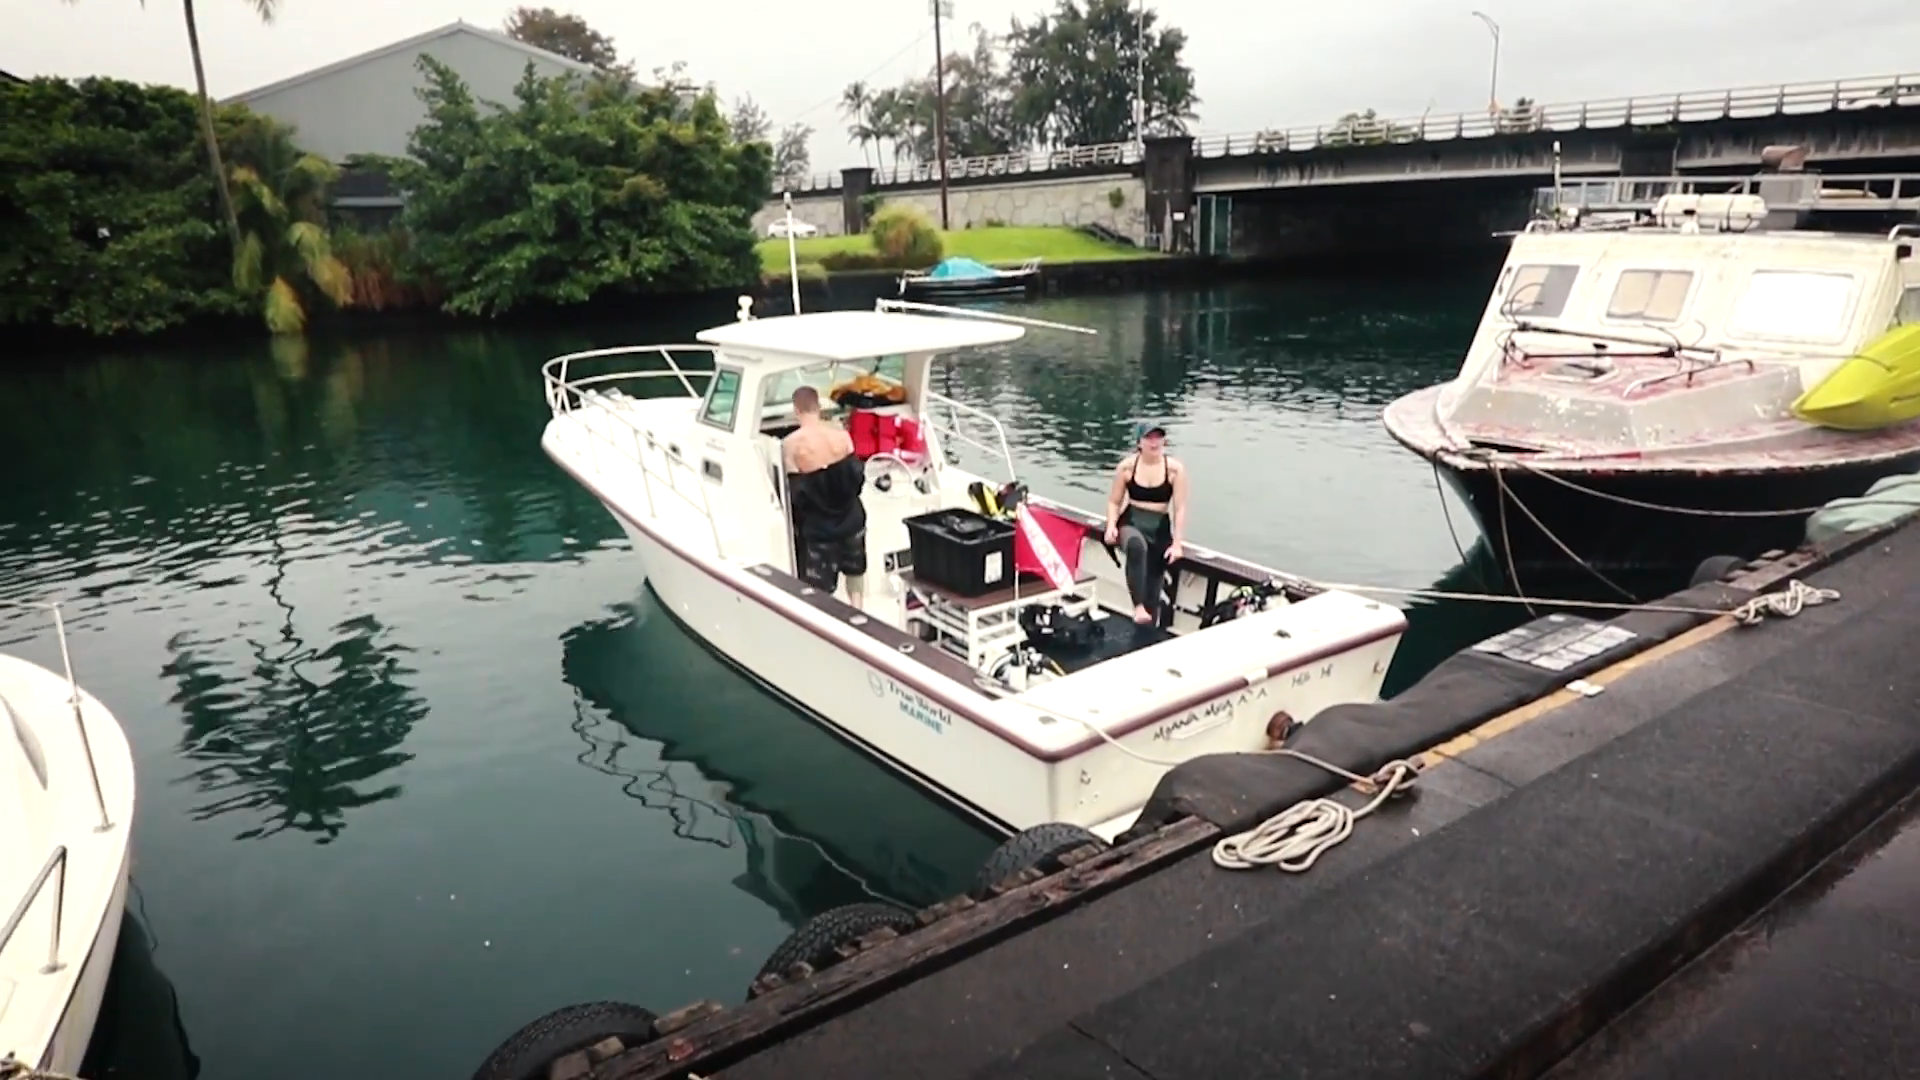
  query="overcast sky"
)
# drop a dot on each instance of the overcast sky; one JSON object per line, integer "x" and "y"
{"x": 1258, "y": 64}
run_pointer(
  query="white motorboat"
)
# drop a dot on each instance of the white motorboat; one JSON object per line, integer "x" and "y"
{"x": 944, "y": 680}
{"x": 1684, "y": 367}
{"x": 64, "y": 824}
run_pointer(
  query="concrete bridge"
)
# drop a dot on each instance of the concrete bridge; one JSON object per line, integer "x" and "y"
{"x": 1305, "y": 190}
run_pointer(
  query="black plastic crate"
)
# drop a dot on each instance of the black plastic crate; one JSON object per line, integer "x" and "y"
{"x": 961, "y": 551}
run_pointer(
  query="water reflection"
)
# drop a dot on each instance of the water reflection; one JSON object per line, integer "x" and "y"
{"x": 139, "y": 1034}
{"x": 1316, "y": 352}
{"x": 821, "y": 823}
{"x": 293, "y": 735}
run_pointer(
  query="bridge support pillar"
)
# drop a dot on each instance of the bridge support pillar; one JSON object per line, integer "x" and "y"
{"x": 855, "y": 184}
{"x": 1167, "y": 168}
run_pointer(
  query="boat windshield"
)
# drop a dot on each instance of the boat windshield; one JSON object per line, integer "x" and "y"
{"x": 882, "y": 376}
{"x": 959, "y": 266}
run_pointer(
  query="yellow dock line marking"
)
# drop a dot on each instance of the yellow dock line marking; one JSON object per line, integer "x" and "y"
{"x": 1533, "y": 710}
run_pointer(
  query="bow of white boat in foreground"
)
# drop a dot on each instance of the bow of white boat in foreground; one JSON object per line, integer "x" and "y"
{"x": 947, "y": 677}
{"x": 66, "y": 809}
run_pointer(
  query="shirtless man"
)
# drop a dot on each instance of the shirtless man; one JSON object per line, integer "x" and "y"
{"x": 823, "y": 483}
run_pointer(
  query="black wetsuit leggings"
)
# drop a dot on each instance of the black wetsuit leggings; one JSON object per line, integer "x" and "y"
{"x": 1144, "y": 538}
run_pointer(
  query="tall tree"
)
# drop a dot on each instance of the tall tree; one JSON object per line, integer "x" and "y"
{"x": 791, "y": 158}
{"x": 566, "y": 34}
{"x": 749, "y": 121}
{"x": 853, "y": 105}
{"x": 265, "y": 9}
{"x": 1074, "y": 72}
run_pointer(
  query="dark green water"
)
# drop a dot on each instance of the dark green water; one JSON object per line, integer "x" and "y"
{"x": 420, "y": 759}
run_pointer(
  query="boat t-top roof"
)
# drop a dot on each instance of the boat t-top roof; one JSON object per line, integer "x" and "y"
{"x": 815, "y": 336}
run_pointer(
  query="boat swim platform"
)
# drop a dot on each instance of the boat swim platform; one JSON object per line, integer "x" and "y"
{"x": 1518, "y": 911}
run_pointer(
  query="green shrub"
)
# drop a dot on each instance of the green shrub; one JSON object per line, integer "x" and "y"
{"x": 905, "y": 237}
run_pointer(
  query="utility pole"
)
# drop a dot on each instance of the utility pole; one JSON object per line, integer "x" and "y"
{"x": 1140, "y": 76}
{"x": 1493, "y": 83}
{"x": 939, "y": 8}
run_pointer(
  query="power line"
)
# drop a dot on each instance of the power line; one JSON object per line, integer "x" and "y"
{"x": 834, "y": 99}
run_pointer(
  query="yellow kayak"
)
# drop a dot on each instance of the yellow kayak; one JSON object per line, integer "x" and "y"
{"x": 1877, "y": 387}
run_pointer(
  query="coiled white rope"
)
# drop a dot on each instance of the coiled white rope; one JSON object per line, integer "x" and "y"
{"x": 1788, "y": 602}
{"x": 1295, "y": 838}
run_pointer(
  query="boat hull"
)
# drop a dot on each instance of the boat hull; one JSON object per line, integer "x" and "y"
{"x": 75, "y": 1031}
{"x": 963, "y": 761}
{"x": 960, "y": 288}
{"x": 1606, "y": 531}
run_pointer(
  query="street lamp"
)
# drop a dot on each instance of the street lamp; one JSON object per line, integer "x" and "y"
{"x": 1493, "y": 84}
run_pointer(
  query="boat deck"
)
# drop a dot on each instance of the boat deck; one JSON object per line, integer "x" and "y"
{"x": 1554, "y": 867}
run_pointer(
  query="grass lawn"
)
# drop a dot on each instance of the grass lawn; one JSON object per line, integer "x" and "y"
{"x": 1000, "y": 244}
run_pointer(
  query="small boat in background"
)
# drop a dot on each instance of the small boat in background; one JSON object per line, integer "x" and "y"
{"x": 957, "y": 277}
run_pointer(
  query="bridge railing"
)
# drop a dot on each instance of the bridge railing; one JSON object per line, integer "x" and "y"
{"x": 1695, "y": 106}
{"x": 1653, "y": 109}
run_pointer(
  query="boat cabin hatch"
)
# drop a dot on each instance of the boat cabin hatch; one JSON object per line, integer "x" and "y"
{"x": 990, "y": 655}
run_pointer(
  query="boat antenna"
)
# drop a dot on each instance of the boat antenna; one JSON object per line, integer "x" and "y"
{"x": 793, "y": 252}
{"x": 887, "y": 304}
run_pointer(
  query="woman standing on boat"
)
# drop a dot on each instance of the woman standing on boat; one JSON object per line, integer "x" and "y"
{"x": 1147, "y": 515}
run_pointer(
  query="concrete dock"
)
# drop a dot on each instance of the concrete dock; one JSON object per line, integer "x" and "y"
{"x": 1521, "y": 913}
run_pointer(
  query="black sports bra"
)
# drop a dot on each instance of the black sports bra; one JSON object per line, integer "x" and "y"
{"x": 1161, "y": 492}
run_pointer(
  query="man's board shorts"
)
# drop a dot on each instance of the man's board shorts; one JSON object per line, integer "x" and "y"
{"x": 823, "y": 561}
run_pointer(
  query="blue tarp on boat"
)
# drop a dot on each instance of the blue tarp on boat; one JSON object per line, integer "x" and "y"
{"x": 959, "y": 267}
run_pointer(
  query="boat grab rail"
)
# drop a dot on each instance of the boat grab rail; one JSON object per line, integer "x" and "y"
{"x": 55, "y": 870}
{"x": 564, "y": 396}
{"x": 955, "y": 410}
{"x": 554, "y": 372}
{"x": 73, "y": 701}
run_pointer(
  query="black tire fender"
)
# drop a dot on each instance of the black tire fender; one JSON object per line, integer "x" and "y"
{"x": 1715, "y": 568}
{"x": 1040, "y": 846}
{"x": 528, "y": 1053}
{"x": 816, "y": 941}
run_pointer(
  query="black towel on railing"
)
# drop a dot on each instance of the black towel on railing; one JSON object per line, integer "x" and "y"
{"x": 826, "y": 502}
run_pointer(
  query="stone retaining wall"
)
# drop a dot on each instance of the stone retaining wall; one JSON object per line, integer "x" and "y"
{"x": 1077, "y": 201}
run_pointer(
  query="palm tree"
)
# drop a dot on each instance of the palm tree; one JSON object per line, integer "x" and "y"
{"x": 265, "y": 9}
{"x": 853, "y": 104}
{"x": 283, "y": 246}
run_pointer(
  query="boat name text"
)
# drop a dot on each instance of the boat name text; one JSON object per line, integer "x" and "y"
{"x": 1220, "y": 711}
{"x": 911, "y": 703}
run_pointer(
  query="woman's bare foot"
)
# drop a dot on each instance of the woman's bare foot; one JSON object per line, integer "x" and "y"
{"x": 1141, "y": 615}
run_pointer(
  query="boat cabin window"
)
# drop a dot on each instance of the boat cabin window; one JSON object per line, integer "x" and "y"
{"x": 1650, "y": 295}
{"x": 882, "y": 378}
{"x": 1796, "y": 305}
{"x": 1539, "y": 290}
{"x": 1909, "y": 309}
{"x": 723, "y": 398}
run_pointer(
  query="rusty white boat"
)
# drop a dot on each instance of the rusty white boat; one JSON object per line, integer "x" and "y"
{"x": 940, "y": 678}
{"x": 1642, "y": 389}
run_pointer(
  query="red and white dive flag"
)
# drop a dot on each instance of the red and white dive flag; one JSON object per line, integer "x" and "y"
{"x": 1046, "y": 544}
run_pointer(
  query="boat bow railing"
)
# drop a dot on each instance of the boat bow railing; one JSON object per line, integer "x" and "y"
{"x": 73, "y": 700}
{"x": 566, "y": 394}
{"x": 54, "y": 870}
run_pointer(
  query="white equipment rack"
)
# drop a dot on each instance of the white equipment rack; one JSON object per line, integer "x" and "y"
{"x": 977, "y": 629}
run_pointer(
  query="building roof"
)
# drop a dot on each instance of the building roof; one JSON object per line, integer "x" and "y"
{"x": 449, "y": 30}
{"x": 856, "y": 335}
{"x": 11, "y": 77}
